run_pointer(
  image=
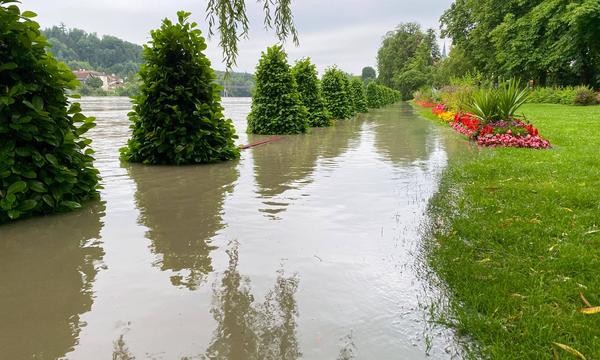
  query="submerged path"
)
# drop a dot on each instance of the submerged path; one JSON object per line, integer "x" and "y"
{"x": 305, "y": 248}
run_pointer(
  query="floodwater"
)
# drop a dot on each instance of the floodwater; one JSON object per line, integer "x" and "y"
{"x": 305, "y": 248}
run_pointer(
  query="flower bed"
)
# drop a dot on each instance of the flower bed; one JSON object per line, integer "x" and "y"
{"x": 510, "y": 133}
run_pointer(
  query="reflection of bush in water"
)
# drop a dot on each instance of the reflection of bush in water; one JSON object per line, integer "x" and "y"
{"x": 182, "y": 208}
{"x": 47, "y": 268}
{"x": 251, "y": 331}
{"x": 281, "y": 164}
{"x": 401, "y": 141}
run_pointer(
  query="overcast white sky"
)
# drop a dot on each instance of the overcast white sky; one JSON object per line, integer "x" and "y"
{"x": 343, "y": 32}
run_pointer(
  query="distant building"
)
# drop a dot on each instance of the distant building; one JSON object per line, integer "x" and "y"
{"x": 109, "y": 82}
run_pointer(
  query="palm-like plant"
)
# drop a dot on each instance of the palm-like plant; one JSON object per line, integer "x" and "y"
{"x": 510, "y": 98}
{"x": 489, "y": 105}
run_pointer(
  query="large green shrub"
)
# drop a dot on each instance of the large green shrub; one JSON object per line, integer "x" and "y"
{"x": 45, "y": 163}
{"x": 276, "y": 104}
{"x": 305, "y": 74}
{"x": 584, "y": 95}
{"x": 359, "y": 96}
{"x": 373, "y": 96}
{"x": 178, "y": 118}
{"x": 489, "y": 104}
{"x": 348, "y": 90}
{"x": 335, "y": 86}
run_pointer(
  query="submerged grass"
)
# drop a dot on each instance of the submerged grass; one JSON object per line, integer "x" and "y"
{"x": 517, "y": 240}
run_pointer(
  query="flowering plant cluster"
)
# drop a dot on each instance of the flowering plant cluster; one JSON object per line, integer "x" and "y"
{"x": 507, "y": 133}
{"x": 443, "y": 113}
{"x": 424, "y": 103}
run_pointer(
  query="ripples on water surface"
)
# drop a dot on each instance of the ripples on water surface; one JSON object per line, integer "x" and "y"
{"x": 304, "y": 248}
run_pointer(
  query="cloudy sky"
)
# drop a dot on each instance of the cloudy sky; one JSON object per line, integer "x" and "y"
{"x": 343, "y": 32}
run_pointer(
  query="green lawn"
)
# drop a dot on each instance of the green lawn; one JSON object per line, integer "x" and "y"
{"x": 521, "y": 238}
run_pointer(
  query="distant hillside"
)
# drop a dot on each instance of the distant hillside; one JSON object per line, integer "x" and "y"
{"x": 82, "y": 50}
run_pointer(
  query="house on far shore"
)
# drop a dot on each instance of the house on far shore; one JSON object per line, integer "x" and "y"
{"x": 109, "y": 82}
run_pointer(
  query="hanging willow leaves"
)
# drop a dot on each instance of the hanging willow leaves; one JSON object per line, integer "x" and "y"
{"x": 229, "y": 19}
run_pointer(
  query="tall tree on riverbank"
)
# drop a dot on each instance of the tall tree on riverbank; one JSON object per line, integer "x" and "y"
{"x": 305, "y": 74}
{"x": 405, "y": 58}
{"x": 553, "y": 42}
{"x": 45, "y": 164}
{"x": 276, "y": 104}
{"x": 336, "y": 93}
{"x": 178, "y": 118}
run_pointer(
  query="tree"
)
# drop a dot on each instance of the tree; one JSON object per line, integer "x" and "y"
{"x": 359, "y": 96}
{"x": 305, "y": 74}
{"x": 95, "y": 83}
{"x": 368, "y": 73}
{"x": 276, "y": 104}
{"x": 373, "y": 96}
{"x": 350, "y": 94}
{"x": 405, "y": 52}
{"x": 178, "y": 118}
{"x": 45, "y": 164}
{"x": 336, "y": 95}
{"x": 552, "y": 42}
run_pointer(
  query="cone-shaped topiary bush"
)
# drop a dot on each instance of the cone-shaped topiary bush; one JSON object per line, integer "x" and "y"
{"x": 348, "y": 89}
{"x": 359, "y": 96}
{"x": 276, "y": 104}
{"x": 45, "y": 163}
{"x": 335, "y": 87}
{"x": 305, "y": 75}
{"x": 374, "y": 100}
{"x": 178, "y": 118}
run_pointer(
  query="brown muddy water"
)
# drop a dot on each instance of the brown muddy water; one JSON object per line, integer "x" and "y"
{"x": 305, "y": 248}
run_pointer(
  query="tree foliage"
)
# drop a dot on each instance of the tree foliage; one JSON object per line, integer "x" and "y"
{"x": 380, "y": 95}
{"x": 553, "y": 42}
{"x": 305, "y": 74}
{"x": 178, "y": 118}
{"x": 405, "y": 52}
{"x": 45, "y": 162}
{"x": 359, "y": 95}
{"x": 336, "y": 93}
{"x": 368, "y": 73}
{"x": 276, "y": 104}
{"x": 82, "y": 50}
{"x": 230, "y": 19}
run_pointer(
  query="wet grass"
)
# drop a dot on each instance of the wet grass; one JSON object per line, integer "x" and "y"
{"x": 517, "y": 238}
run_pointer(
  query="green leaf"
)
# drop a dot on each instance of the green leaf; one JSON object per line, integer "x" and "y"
{"x": 27, "y": 205}
{"x": 17, "y": 187}
{"x": 70, "y": 204}
{"x": 28, "y": 14}
{"x": 14, "y": 214}
{"x": 38, "y": 186}
{"x": 8, "y": 66}
{"x": 52, "y": 159}
{"x": 48, "y": 200}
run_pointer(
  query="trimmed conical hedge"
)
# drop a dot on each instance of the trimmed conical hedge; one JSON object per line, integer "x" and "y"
{"x": 276, "y": 104}
{"x": 336, "y": 93}
{"x": 178, "y": 118}
{"x": 45, "y": 164}
{"x": 359, "y": 96}
{"x": 305, "y": 74}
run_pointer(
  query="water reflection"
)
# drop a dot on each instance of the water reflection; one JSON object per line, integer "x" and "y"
{"x": 413, "y": 142}
{"x": 47, "y": 268}
{"x": 248, "y": 331}
{"x": 290, "y": 163}
{"x": 182, "y": 208}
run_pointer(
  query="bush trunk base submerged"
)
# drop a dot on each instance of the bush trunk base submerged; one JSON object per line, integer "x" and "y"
{"x": 178, "y": 118}
{"x": 516, "y": 240}
{"x": 276, "y": 105}
{"x": 46, "y": 165}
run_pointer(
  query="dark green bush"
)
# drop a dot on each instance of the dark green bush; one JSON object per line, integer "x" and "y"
{"x": 373, "y": 96}
{"x": 348, "y": 89}
{"x": 311, "y": 96}
{"x": 338, "y": 99}
{"x": 45, "y": 164}
{"x": 359, "y": 96}
{"x": 276, "y": 104}
{"x": 568, "y": 95}
{"x": 178, "y": 118}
